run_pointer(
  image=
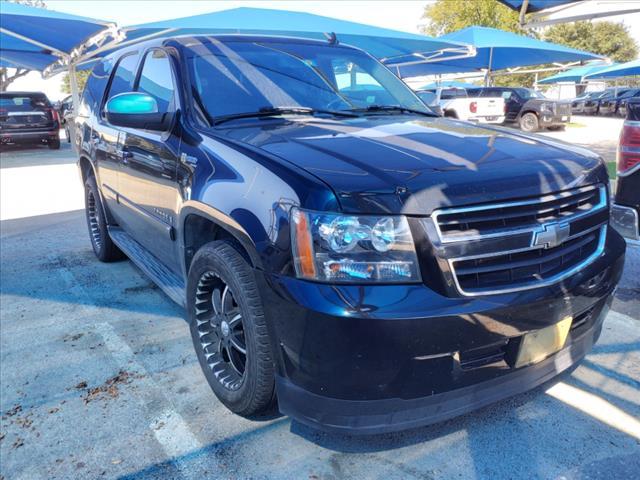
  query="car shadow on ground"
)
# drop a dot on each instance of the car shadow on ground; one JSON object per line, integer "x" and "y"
{"x": 490, "y": 442}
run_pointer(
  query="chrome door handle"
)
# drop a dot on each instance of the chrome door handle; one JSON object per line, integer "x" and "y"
{"x": 125, "y": 155}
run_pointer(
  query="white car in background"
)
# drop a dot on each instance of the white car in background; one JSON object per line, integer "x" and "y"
{"x": 456, "y": 103}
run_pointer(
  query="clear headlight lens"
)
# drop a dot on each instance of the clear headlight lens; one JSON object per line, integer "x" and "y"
{"x": 547, "y": 107}
{"x": 345, "y": 248}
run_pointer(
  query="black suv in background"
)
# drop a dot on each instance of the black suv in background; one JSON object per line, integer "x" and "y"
{"x": 609, "y": 105}
{"x": 528, "y": 108}
{"x": 634, "y": 93}
{"x": 28, "y": 118}
{"x": 370, "y": 265}
{"x": 577, "y": 104}
{"x": 593, "y": 104}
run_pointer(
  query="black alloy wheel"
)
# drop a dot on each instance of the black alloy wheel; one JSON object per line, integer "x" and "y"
{"x": 221, "y": 330}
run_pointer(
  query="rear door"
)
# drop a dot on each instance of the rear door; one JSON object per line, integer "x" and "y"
{"x": 25, "y": 112}
{"x": 149, "y": 191}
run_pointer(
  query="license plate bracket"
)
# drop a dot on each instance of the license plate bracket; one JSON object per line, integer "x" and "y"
{"x": 540, "y": 344}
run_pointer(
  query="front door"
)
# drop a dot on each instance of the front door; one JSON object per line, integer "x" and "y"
{"x": 148, "y": 187}
{"x": 107, "y": 139}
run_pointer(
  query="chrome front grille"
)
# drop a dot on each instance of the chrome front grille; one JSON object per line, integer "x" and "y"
{"x": 563, "y": 109}
{"x": 524, "y": 244}
{"x": 498, "y": 219}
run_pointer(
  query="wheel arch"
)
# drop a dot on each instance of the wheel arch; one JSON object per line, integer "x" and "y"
{"x": 523, "y": 112}
{"x": 200, "y": 224}
{"x": 86, "y": 167}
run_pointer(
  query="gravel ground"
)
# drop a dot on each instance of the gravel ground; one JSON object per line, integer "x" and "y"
{"x": 99, "y": 379}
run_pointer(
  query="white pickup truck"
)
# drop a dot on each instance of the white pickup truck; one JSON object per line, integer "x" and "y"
{"x": 455, "y": 102}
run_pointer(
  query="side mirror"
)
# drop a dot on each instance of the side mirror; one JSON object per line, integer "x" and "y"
{"x": 136, "y": 110}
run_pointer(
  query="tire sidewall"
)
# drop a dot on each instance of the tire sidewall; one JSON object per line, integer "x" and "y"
{"x": 90, "y": 186}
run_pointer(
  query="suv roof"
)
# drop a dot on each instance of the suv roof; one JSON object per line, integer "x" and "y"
{"x": 179, "y": 41}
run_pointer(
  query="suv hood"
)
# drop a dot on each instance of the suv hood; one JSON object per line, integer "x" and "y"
{"x": 411, "y": 165}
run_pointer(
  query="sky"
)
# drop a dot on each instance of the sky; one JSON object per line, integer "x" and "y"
{"x": 395, "y": 14}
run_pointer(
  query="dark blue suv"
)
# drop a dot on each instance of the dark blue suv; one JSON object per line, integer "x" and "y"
{"x": 337, "y": 246}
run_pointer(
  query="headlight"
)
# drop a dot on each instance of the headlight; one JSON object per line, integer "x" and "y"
{"x": 358, "y": 249}
{"x": 547, "y": 107}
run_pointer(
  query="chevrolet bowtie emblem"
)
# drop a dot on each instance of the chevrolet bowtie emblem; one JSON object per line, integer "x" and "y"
{"x": 551, "y": 235}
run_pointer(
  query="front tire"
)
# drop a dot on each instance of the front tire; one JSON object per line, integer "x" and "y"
{"x": 103, "y": 246}
{"x": 229, "y": 330}
{"x": 54, "y": 144}
{"x": 529, "y": 122}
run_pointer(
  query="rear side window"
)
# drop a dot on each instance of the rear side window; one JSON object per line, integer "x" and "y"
{"x": 23, "y": 103}
{"x": 156, "y": 79}
{"x": 453, "y": 93}
{"x": 124, "y": 76}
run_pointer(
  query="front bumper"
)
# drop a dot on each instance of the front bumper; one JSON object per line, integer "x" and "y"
{"x": 551, "y": 120}
{"x": 493, "y": 119}
{"x": 389, "y": 357}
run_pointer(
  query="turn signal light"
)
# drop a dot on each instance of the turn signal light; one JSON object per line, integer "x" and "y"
{"x": 473, "y": 107}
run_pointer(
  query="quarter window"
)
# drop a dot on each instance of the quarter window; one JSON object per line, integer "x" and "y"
{"x": 124, "y": 75}
{"x": 156, "y": 79}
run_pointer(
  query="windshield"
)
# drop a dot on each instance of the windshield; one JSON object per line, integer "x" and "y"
{"x": 231, "y": 78}
{"x": 449, "y": 93}
{"x": 526, "y": 93}
{"x": 22, "y": 103}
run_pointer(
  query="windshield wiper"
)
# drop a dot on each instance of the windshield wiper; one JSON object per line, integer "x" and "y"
{"x": 275, "y": 111}
{"x": 392, "y": 108}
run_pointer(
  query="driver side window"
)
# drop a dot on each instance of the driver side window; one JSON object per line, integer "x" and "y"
{"x": 156, "y": 79}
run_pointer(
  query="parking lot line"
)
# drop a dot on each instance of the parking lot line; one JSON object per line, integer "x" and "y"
{"x": 169, "y": 428}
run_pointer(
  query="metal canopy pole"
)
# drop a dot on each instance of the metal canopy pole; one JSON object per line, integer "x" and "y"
{"x": 487, "y": 76}
{"x": 73, "y": 82}
{"x": 75, "y": 98}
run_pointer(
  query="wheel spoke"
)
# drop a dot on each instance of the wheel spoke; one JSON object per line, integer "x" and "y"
{"x": 235, "y": 320}
{"x": 232, "y": 362}
{"x": 227, "y": 300}
{"x": 235, "y": 343}
{"x": 216, "y": 301}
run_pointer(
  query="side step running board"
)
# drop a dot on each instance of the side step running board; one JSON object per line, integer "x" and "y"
{"x": 169, "y": 282}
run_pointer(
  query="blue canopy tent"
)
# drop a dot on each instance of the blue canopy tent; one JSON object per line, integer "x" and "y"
{"x": 545, "y": 12}
{"x": 616, "y": 71}
{"x": 575, "y": 75}
{"x": 382, "y": 43}
{"x": 535, "y": 5}
{"x": 446, "y": 84}
{"x": 499, "y": 50}
{"x": 35, "y": 38}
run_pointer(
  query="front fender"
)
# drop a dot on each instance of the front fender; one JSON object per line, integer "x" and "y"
{"x": 249, "y": 193}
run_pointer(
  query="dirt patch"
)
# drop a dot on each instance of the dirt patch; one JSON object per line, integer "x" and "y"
{"x": 72, "y": 338}
{"x": 12, "y": 412}
{"x": 110, "y": 388}
{"x": 141, "y": 288}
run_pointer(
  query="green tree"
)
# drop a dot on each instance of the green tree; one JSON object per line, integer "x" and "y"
{"x": 81, "y": 78}
{"x": 446, "y": 16}
{"x": 9, "y": 75}
{"x": 610, "y": 39}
